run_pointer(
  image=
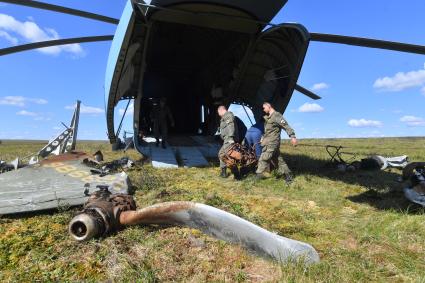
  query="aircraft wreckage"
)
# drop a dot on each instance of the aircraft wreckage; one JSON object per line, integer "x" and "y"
{"x": 60, "y": 176}
{"x": 55, "y": 176}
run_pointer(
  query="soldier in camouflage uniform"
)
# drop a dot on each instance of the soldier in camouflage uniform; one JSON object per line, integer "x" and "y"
{"x": 160, "y": 115}
{"x": 274, "y": 123}
{"x": 228, "y": 133}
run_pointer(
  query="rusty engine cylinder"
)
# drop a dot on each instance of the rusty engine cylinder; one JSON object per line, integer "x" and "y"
{"x": 100, "y": 215}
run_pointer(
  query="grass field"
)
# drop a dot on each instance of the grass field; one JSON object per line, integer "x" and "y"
{"x": 360, "y": 223}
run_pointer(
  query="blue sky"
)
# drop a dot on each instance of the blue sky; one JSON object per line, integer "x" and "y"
{"x": 366, "y": 92}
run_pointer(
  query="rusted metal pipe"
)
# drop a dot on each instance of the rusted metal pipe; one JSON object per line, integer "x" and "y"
{"x": 163, "y": 213}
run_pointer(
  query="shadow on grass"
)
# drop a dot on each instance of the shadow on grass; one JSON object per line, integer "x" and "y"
{"x": 384, "y": 192}
{"x": 393, "y": 200}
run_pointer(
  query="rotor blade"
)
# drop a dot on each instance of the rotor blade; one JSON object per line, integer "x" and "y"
{"x": 224, "y": 226}
{"x": 64, "y": 10}
{"x": 56, "y": 42}
{"x": 307, "y": 92}
{"x": 367, "y": 42}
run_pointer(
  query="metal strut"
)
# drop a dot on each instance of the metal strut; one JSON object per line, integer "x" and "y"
{"x": 122, "y": 118}
{"x": 246, "y": 112}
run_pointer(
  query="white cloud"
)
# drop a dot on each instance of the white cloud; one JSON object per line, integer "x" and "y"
{"x": 413, "y": 121}
{"x": 13, "y": 100}
{"x": 20, "y": 100}
{"x": 26, "y": 113}
{"x": 319, "y": 86}
{"x": 311, "y": 108}
{"x": 29, "y": 31}
{"x": 87, "y": 109}
{"x": 363, "y": 123}
{"x": 401, "y": 81}
{"x": 13, "y": 40}
{"x": 36, "y": 116}
{"x": 130, "y": 110}
{"x": 38, "y": 100}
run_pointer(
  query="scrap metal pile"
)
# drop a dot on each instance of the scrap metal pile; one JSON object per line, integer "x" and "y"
{"x": 372, "y": 162}
{"x": 413, "y": 176}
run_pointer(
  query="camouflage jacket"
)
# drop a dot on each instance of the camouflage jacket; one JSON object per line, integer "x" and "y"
{"x": 160, "y": 114}
{"x": 228, "y": 128}
{"x": 272, "y": 129}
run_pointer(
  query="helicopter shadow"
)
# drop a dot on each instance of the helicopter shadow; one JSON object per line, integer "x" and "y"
{"x": 384, "y": 192}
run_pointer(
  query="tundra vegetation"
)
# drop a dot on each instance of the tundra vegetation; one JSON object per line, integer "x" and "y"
{"x": 360, "y": 223}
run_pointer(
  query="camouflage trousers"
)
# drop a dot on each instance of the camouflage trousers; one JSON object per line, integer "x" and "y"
{"x": 160, "y": 130}
{"x": 222, "y": 153}
{"x": 271, "y": 156}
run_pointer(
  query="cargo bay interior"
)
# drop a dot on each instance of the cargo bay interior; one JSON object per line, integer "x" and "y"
{"x": 193, "y": 68}
{"x": 198, "y": 56}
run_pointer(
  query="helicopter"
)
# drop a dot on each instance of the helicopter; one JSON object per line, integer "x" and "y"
{"x": 199, "y": 54}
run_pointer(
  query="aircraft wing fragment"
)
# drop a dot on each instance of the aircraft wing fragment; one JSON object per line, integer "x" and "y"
{"x": 61, "y": 180}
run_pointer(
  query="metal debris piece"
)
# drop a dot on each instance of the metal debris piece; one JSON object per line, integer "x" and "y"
{"x": 373, "y": 162}
{"x": 414, "y": 173}
{"x": 105, "y": 213}
{"x": 123, "y": 163}
{"x": 412, "y": 168}
{"x": 100, "y": 215}
{"x": 55, "y": 181}
{"x": 65, "y": 141}
{"x": 98, "y": 156}
{"x": 5, "y": 167}
{"x": 16, "y": 163}
{"x": 416, "y": 194}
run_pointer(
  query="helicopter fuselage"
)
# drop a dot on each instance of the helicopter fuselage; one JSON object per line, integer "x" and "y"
{"x": 199, "y": 54}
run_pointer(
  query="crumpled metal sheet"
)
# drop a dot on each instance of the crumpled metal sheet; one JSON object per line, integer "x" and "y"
{"x": 416, "y": 194}
{"x": 56, "y": 181}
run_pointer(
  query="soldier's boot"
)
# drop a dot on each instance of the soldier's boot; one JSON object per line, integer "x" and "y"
{"x": 157, "y": 142}
{"x": 236, "y": 173}
{"x": 244, "y": 171}
{"x": 223, "y": 173}
{"x": 163, "y": 144}
{"x": 285, "y": 172}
